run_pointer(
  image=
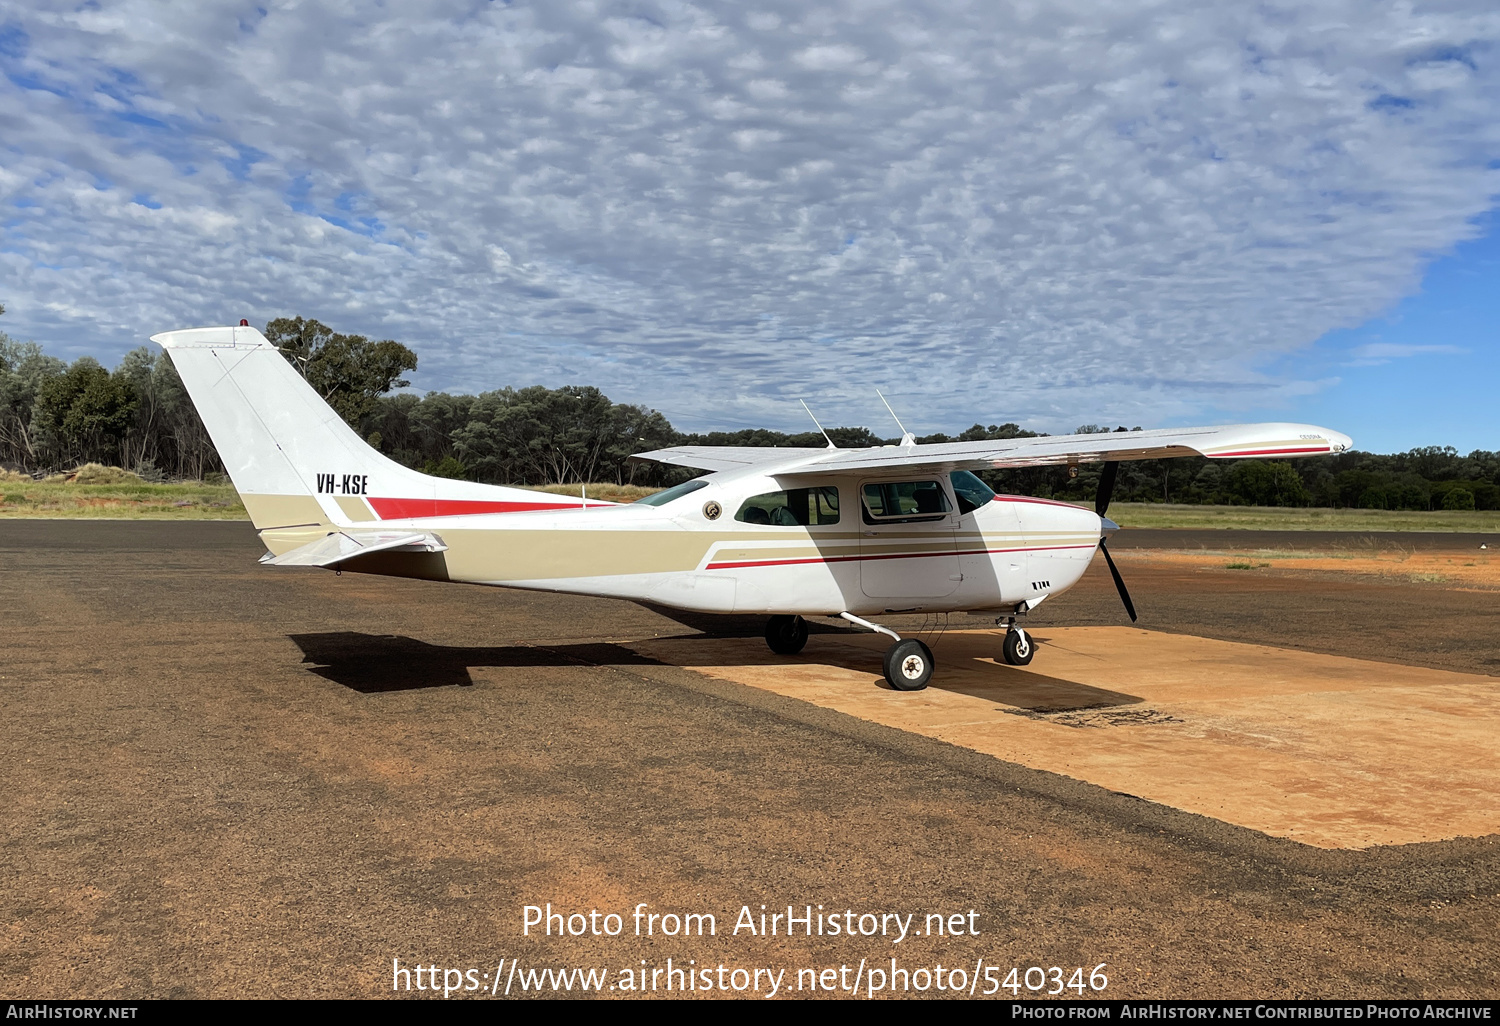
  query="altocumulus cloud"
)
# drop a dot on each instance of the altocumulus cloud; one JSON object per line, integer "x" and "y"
{"x": 1047, "y": 212}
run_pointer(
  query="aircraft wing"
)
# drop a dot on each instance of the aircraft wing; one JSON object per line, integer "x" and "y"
{"x": 343, "y": 546}
{"x": 726, "y": 457}
{"x": 1234, "y": 441}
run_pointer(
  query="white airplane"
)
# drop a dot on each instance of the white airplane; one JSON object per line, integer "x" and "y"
{"x": 785, "y": 532}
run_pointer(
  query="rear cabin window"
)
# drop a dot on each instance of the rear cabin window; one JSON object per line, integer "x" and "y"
{"x": 795, "y": 507}
{"x": 904, "y": 501}
{"x": 972, "y": 493}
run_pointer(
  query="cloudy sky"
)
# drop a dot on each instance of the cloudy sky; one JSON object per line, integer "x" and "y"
{"x": 1145, "y": 213}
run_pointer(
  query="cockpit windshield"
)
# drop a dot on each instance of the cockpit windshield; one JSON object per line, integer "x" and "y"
{"x": 972, "y": 493}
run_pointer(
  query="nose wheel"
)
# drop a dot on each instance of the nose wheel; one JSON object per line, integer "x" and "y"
{"x": 1018, "y": 647}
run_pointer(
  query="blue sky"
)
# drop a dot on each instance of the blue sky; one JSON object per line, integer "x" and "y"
{"x": 1141, "y": 213}
{"x": 1427, "y": 372}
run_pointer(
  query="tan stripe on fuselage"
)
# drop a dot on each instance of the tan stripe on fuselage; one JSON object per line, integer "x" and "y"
{"x": 355, "y": 508}
{"x": 268, "y": 512}
{"x": 522, "y": 555}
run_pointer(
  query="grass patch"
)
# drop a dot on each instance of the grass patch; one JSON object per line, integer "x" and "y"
{"x": 137, "y": 500}
{"x": 1245, "y": 566}
{"x": 1267, "y": 518}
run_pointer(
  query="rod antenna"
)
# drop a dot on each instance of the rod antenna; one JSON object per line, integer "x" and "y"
{"x": 815, "y": 421}
{"x": 907, "y": 438}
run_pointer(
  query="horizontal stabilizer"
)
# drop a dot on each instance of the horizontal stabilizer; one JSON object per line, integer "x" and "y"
{"x": 343, "y": 546}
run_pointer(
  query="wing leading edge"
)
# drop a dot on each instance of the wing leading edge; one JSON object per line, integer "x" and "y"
{"x": 1233, "y": 441}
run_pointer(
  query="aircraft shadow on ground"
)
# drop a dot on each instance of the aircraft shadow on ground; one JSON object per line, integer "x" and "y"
{"x": 372, "y": 663}
{"x": 1038, "y": 693}
{"x": 992, "y": 681}
{"x": 1026, "y": 691}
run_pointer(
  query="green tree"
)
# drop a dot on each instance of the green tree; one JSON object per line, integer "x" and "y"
{"x": 24, "y": 369}
{"x": 350, "y": 372}
{"x": 84, "y": 413}
{"x": 1262, "y": 483}
{"x": 1458, "y": 498}
{"x": 448, "y": 466}
{"x": 166, "y": 437}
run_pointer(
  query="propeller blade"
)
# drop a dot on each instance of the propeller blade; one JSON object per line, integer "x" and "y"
{"x": 1106, "y": 487}
{"x": 1119, "y": 581}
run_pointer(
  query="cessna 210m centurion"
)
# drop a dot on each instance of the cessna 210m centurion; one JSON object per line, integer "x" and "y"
{"x": 788, "y": 533}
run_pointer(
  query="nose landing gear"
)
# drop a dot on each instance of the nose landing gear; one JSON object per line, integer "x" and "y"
{"x": 1018, "y": 647}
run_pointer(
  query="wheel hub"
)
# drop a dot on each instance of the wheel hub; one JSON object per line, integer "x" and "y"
{"x": 911, "y": 667}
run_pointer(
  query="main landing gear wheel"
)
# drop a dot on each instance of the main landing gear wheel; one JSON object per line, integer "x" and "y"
{"x": 786, "y": 634}
{"x": 908, "y": 665}
{"x": 1018, "y": 647}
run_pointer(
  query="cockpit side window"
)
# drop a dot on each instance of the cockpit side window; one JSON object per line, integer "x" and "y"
{"x": 903, "y": 502}
{"x": 794, "y": 507}
{"x": 972, "y": 493}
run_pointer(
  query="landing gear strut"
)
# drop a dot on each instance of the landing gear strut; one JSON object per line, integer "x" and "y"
{"x": 786, "y": 634}
{"x": 908, "y": 663}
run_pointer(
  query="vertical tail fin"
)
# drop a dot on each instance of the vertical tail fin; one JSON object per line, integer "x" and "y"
{"x": 295, "y": 462}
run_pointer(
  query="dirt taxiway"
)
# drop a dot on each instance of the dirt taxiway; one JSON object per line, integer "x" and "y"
{"x": 223, "y": 780}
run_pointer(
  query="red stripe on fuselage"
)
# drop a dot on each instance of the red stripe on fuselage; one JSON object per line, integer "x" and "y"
{"x": 1038, "y": 502}
{"x": 416, "y": 509}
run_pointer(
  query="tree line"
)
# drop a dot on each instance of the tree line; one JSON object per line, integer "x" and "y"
{"x": 54, "y": 416}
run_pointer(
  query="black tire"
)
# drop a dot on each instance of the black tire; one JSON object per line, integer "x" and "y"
{"x": 786, "y": 634}
{"x": 1019, "y": 647}
{"x": 908, "y": 665}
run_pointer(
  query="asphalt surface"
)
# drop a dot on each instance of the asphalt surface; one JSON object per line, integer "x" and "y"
{"x": 227, "y": 780}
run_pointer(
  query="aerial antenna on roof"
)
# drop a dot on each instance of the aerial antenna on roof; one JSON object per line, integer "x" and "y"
{"x": 907, "y": 438}
{"x": 815, "y": 421}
